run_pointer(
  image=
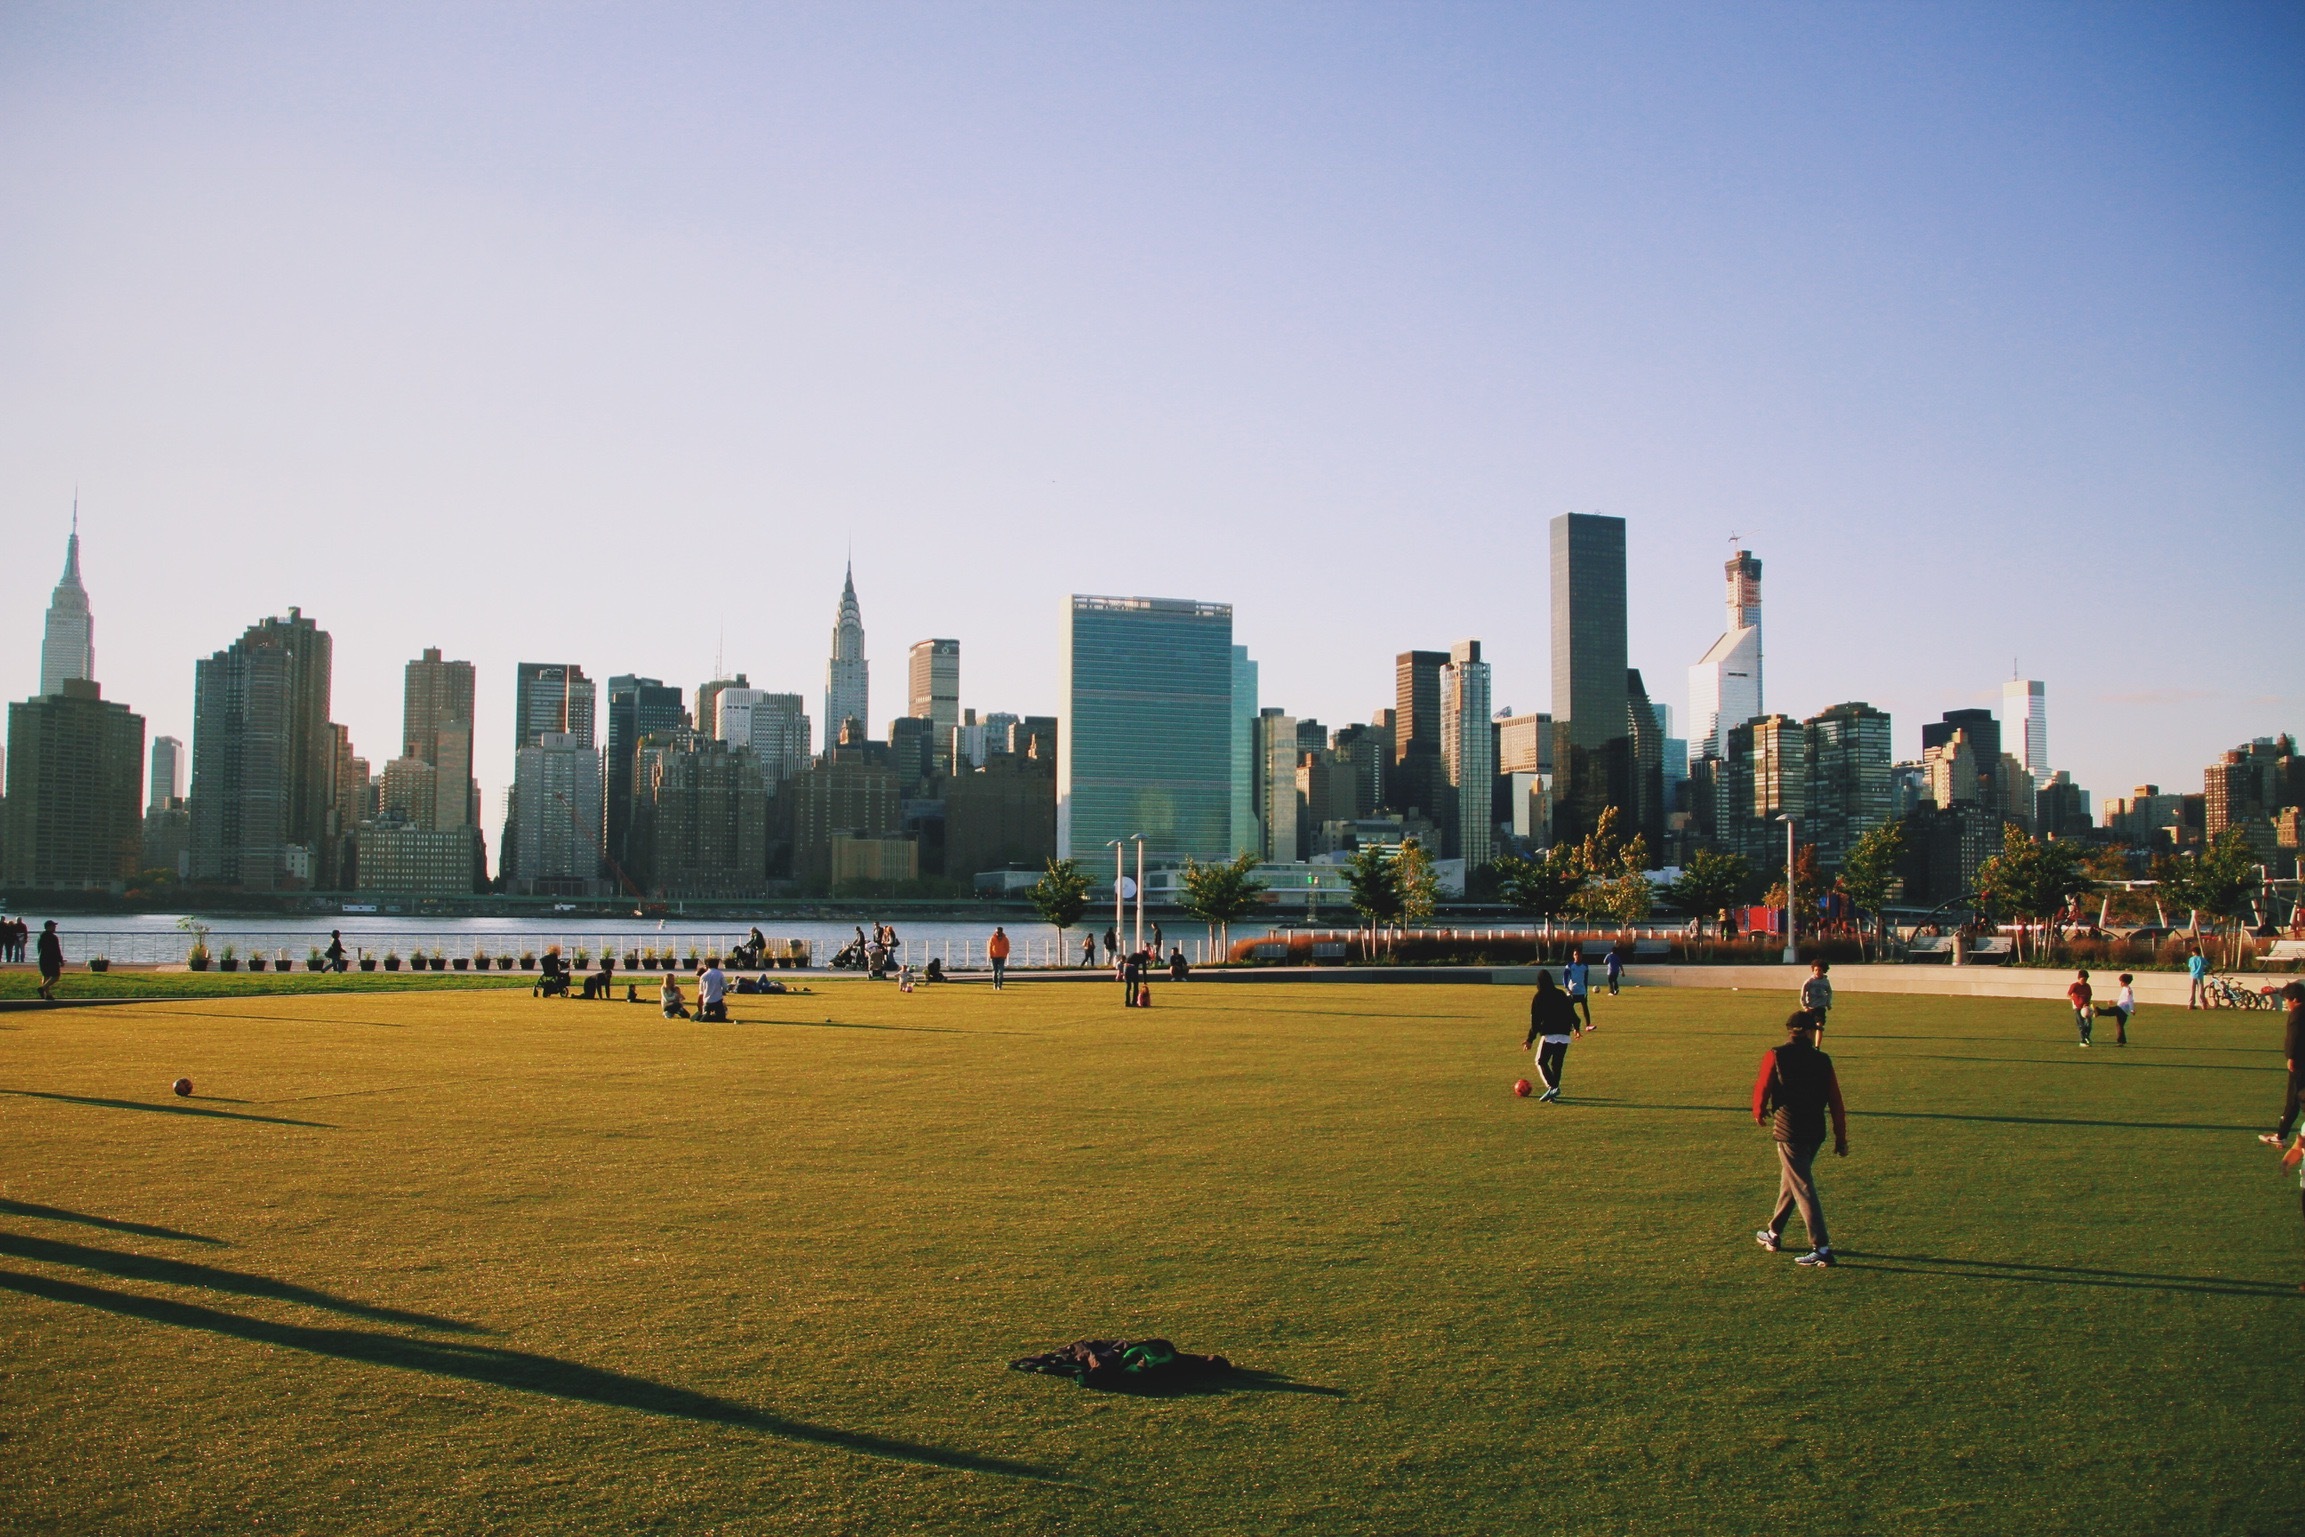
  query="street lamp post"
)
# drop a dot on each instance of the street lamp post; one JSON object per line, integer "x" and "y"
{"x": 1792, "y": 945}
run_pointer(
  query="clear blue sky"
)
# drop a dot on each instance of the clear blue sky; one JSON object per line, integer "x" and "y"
{"x": 601, "y": 333}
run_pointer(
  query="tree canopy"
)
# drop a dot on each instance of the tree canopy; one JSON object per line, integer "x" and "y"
{"x": 1060, "y": 896}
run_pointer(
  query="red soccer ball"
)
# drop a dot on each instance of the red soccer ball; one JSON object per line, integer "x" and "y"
{"x": 1521, "y": 1087}
{"x": 183, "y": 1088}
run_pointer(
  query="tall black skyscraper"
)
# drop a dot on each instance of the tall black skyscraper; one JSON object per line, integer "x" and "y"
{"x": 1592, "y": 743}
{"x": 1416, "y": 779}
{"x": 638, "y": 708}
{"x": 264, "y": 760}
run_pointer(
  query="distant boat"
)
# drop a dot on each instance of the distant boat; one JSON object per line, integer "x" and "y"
{"x": 359, "y": 907}
{"x": 564, "y": 907}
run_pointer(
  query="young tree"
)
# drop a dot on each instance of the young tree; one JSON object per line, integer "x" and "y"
{"x": 1375, "y": 885}
{"x": 2030, "y": 879}
{"x": 1219, "y": 892}
{"x": 1711, "y": 882}
{"x": 1060, "y": 896}
{"x": 1542, "y": 887}
{"x": 1869, "y": 872}
{"x": 1611, "y": 866}
{"x": 1413, "y": 873}
{"x": 2221, "y": 881}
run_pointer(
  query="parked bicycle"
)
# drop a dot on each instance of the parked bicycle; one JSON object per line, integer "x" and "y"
{"x": 2227, "y": 993}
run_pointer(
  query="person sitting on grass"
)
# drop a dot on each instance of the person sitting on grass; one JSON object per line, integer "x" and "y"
{"x": 675, "y": 1006}
{"x": 712, "y": 996}
{"x": 1179, "y": 968}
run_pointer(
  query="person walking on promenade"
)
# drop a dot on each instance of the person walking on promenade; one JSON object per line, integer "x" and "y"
{"x": 1112, "y": 946}
{"x": 1553, "y": 1023}
{"x": 2124, "y": 1005}
{"x": 1575, "y": 975}
{"x": 1791, "y": 1094}
{"x": 2197, "y": 969}
{"x": 334, "y": 954}
{"x": 1613, "y": 965}
{"x": 1817, "y": 994}
{"x": 1088, "y": 951}
{"x": 2084, "y": 1015}
{"x": 997, "y": 949}
{"x": 51, "y": 960}
{"x": 2292, "y": 1052}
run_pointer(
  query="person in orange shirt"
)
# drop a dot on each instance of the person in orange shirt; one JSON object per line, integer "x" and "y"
{"x": 997, "y": 949}
{"x": 2084, "y": 1014}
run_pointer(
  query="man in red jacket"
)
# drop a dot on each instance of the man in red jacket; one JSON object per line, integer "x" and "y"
{"x": 1793, "y": 1091}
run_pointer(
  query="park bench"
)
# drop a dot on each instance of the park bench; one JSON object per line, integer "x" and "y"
{"x": 1331, "y": 950}
{"x": 1268, "y": 952}
{"x": 1992, "y": 950}
{"x": 1929, "y": 947}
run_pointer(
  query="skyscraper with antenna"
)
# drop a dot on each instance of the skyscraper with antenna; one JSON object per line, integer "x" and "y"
{"x": 68, "y": 648}
{"x": 847, "y": 689}
{"x": 1725, "y": 685}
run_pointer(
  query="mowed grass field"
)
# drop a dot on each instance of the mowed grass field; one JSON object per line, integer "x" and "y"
{"x": 469, "y": 1261}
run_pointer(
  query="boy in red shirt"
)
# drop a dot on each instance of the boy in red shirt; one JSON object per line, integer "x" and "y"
{"x": 2083, "y": 1015}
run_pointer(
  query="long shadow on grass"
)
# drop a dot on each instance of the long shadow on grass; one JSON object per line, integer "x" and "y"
{"x": 1932, "y": 1115}
{"x": 294, "y": 1019}
{"x": 137, "y": 1104}
{"x": 518, "y": 1370}
{"x": 2061, "y": 1275}
{"x": 2094, "y": 1064}
{"x": 140, "y": 1267}
{"x": 1216, "y": 1385}
{"x": 110, "y": 1224}
{"x": 830, "y": 1024}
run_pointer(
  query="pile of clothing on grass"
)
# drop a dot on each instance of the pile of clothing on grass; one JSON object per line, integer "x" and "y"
{"x": 1122, "y": 1363}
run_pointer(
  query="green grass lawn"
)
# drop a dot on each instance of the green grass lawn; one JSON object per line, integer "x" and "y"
{"x": 80, "y": 984}
{"x": 466, "y": 1261}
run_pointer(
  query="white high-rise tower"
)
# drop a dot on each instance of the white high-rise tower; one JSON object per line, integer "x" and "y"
{"x": 68, "y": 649}
{"x": 847, "y": 691}
{"x": 2025, "y": 714}
{"x": 1725, "y": 687}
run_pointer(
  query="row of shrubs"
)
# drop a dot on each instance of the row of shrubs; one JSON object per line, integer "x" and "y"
{"x": 1472, "y": 949}
{"x": 634, "y": 960}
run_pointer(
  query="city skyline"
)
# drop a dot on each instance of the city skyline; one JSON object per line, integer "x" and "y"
{"x": 1961, "y": 361}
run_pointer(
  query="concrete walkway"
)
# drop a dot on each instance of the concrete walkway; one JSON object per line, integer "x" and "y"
{"x": 2153, "y": 987}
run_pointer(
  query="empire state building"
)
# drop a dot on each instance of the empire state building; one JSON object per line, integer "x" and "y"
{"x": 68, "y": 649}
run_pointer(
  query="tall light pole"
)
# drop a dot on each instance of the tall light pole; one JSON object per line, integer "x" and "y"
{"x": 1792, "y": 945}
{"x": 1137, "y": 942}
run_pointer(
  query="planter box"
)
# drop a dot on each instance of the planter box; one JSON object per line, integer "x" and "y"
{"x": 98, "y": 963}
{"x": 391, "y": 963}
{"x": 462, "y": 964}
{"x": 196, "y": 963}
{"x": 528, "y": 963}
{"x": 314, "y": 963}
{"x": 368, "y": 965}
{"x": 229, "y": 963}
{"x": 256, "y": 963}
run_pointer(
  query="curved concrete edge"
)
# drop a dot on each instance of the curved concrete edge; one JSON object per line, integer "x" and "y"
{"x": 2041, "y": 984}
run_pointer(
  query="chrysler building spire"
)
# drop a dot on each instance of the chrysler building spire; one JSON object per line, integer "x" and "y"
{"x": 846, "y": 688}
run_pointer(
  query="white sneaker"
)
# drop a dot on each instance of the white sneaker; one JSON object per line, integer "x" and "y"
{"x": 1768, "y": 1240}
{"x": 1817, "y": 1259}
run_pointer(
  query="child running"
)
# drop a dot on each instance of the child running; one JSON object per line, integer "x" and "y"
{"x": 1553, "y": 1019}
{"x": 2124, "y": 1005}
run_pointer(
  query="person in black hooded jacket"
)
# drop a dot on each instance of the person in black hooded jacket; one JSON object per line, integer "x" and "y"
{"x": 1553, "y": 1020}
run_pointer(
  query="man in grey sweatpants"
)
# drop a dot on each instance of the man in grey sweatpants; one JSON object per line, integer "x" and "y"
{"x": 1794, "y": 1089}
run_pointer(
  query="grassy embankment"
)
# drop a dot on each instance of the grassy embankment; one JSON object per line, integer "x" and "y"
{"x": 452, "y": 1260}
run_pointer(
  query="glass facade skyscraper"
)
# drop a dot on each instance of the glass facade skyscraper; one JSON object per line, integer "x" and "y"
{"x": 1147, "y": 739}
{"x": 1247, "y": 835}
{"x": 1592, "y": 750}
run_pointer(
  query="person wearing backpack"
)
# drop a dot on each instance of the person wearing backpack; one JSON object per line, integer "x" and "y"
{"x": 1791, "y": 1094}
